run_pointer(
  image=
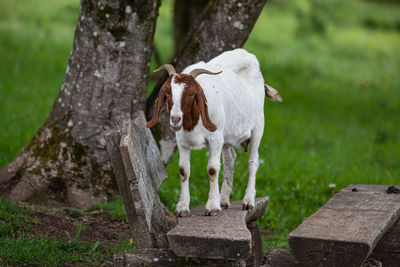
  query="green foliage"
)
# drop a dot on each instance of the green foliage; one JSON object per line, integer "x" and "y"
{"x": 334, "y": 62}
{"x": 52, "y": 252}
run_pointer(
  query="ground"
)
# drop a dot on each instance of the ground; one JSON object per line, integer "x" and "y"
{"x": 47, "y": 233}
{"x": 335, "y": 63}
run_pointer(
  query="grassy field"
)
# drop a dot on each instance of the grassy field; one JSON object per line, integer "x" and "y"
{"x": 336, "y": 64}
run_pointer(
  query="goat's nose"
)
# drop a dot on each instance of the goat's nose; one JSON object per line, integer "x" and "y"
{"x": 175, "y": 119}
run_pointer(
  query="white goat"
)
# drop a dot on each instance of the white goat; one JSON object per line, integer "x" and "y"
{"x": 231, "y": 106}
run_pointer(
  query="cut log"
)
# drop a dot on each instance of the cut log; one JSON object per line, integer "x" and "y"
{"x": 387, "y": 250}
{"x": 166, "y": 258}
{"x": 347, "y": 228}
{"x": 139, "y": 172}
{"x": 224, "y": 236}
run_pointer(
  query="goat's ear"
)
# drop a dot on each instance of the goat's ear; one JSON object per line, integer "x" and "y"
{"x": 203, "y": 107}
{"x": 160, "y": 103}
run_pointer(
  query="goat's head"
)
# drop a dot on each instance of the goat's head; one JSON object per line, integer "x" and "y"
{"x": 186, "y": 100}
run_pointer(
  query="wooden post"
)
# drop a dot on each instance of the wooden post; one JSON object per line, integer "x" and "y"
{"x": 347, "y": 228}
{"x": 139, "y": 172}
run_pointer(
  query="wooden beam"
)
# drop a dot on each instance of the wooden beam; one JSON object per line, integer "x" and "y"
{"x": 224, "y": 236}
{"x": 139, "y": 172}
{"x": 167, "y": 258}
{"x": 347, "y": 228}
{"x": 280, "y": 258}
{"x": 387, "y": 250}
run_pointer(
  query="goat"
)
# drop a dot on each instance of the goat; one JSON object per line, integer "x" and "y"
{"x": 230, "y": 102}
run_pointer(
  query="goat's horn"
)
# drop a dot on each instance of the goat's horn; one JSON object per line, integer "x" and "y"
{"x": 168, "y": 67}
{"x": 196, "y": 72}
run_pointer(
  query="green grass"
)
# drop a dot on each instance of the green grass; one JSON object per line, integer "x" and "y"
{"x": 52, "y": 252}
{"x": 334, "y": 62}
{"x": 17, "y": 248}
{"x": 113, "y": 206}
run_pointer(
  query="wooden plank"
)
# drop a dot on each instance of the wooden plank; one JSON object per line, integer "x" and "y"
{"x": 119, "y": 260}
{"x": 280, "y": 258}
{"x": 166, "y": 258}
{"x": 256, "y": 254}
{"x": 347, "y": 228}
{"x": 387, "y": 250}
{"x": 145, "y": 173}
{"x": 138, "y": 226}
{"x": 139, "y": 172}
{"x": 224, "y": 236}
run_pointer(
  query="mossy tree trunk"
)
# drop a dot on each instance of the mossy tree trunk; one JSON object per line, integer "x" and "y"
{"x": 222, "y": 25}
{"x": 106, "y": 76}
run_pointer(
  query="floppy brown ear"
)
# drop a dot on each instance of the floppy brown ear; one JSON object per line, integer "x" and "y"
{"x": 202, "y": 102}
{"x": 160, "y": 103}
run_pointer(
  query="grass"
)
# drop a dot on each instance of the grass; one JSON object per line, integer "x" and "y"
{"x": 53, "y": 252}
{"x": 17, "y": 248}
{"x": 334, "y": 62}
{"x": 113, "y": 206}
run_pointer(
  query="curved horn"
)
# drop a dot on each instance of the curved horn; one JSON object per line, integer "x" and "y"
{"x": 196, "y": 72}
{"x": 168, "y": 67}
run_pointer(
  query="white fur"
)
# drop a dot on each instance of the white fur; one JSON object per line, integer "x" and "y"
{"x": 236, "y": 106}
{"x": 177, "y": 89}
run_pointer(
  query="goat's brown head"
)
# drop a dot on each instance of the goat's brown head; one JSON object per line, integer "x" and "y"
{"x": 186, "y": 100}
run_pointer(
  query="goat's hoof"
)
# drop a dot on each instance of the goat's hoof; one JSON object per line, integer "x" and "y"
{"x": 224, "y": 206}
{"x": 211, "y": 213}
{"x": 183, "y": 213}
{"x": 248, "y": 207}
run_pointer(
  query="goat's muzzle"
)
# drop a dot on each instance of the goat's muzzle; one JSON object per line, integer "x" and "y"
{"x": 176, "y": 123}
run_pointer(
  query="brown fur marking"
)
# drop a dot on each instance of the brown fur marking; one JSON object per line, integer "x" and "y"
{"x": 189, "y": 106}
{"x": 164, "y": 94}
{"x": 245, "y": 144}
{"x": 183, "y": 174}
{"x": 211, "y": 174}
{"x": 193, "y": 104}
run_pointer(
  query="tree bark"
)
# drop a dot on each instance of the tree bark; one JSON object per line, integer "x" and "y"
{"x": 107, "y": 75}
{"x": 186, "y": 13}
{"x": 223, "y": 25}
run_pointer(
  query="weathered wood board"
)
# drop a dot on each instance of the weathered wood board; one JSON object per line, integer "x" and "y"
{"x": 224, "y": 236}
{"x": 280, "y": 258}
{"x": 166, "y": 258}
{"x": 256, "y": 254}
{"x": 139, "y": 172}
{"x": 347, "y": 228}
{"x": 387, "y": 250}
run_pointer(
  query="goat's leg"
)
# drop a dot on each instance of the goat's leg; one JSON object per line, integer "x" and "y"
{"x": 248, "y": 200}
{"x": 182, "y": 208}
{"x": 213, "y": 166}
{"x": 228, "y": 157}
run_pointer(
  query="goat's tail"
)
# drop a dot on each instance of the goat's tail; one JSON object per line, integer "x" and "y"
{"x": 271, "y": 93}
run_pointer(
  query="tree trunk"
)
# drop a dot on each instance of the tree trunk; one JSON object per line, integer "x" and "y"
{"x": 106, "y": 76}
{"x": 223, "y": 25}
{"x": 186, "y": 13}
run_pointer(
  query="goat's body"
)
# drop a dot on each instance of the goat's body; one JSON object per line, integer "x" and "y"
{"x": 235, "y": 100}
{"x": 236, "y": 105}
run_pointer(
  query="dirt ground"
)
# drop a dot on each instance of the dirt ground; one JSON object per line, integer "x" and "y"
{"x": 61, "y": 223}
